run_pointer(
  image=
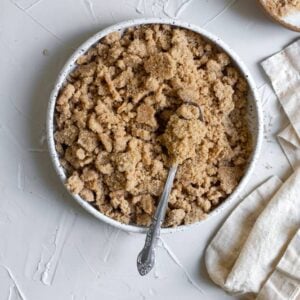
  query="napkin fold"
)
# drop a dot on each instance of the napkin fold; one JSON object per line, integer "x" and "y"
{"x": 284, "y": 283}
{"x": 290, "y": 144}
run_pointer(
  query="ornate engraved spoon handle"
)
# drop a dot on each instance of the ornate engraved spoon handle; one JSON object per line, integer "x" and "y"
{"x": 146, "y": 258}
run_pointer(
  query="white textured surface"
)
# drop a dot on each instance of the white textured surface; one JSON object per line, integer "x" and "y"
{"x": 49, "y": 247}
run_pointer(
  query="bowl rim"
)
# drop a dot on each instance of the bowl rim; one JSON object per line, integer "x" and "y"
{"x": 120, "y": 26}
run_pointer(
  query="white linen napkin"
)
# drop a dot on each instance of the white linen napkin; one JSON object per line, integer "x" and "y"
{"x": 251, "y": 242}
{"x": 284, "y": 283}
{"x": 225, "y": 247}
{"x": 268, "y": 239}
{"x": 283, "y": 70}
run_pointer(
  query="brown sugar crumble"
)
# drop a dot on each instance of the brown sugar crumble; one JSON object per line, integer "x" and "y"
{"x": 183, "y": 136}
{"x": 136, "y": 104}
{"x": 282, "y": 7}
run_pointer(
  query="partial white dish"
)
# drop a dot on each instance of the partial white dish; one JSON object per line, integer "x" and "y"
{"x": 290, "y": 21}
{"x": 254, "y": 116}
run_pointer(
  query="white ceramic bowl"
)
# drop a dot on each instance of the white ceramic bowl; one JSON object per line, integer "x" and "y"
{"x": 254, "y": 113}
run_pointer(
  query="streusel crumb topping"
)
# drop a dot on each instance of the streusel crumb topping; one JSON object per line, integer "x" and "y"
{"x": 137, "y": 103}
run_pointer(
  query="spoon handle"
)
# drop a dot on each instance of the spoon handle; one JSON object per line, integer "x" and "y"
{"x": 146, "y": 257}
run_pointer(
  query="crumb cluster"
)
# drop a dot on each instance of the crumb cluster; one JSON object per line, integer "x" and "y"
{"x": 137, "y": 103}
{"x": 282, "y": 7}
{"x": 183, "y": 134}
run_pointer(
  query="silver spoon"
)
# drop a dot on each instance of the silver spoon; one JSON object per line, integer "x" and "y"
{"x": 146, "y": 258}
